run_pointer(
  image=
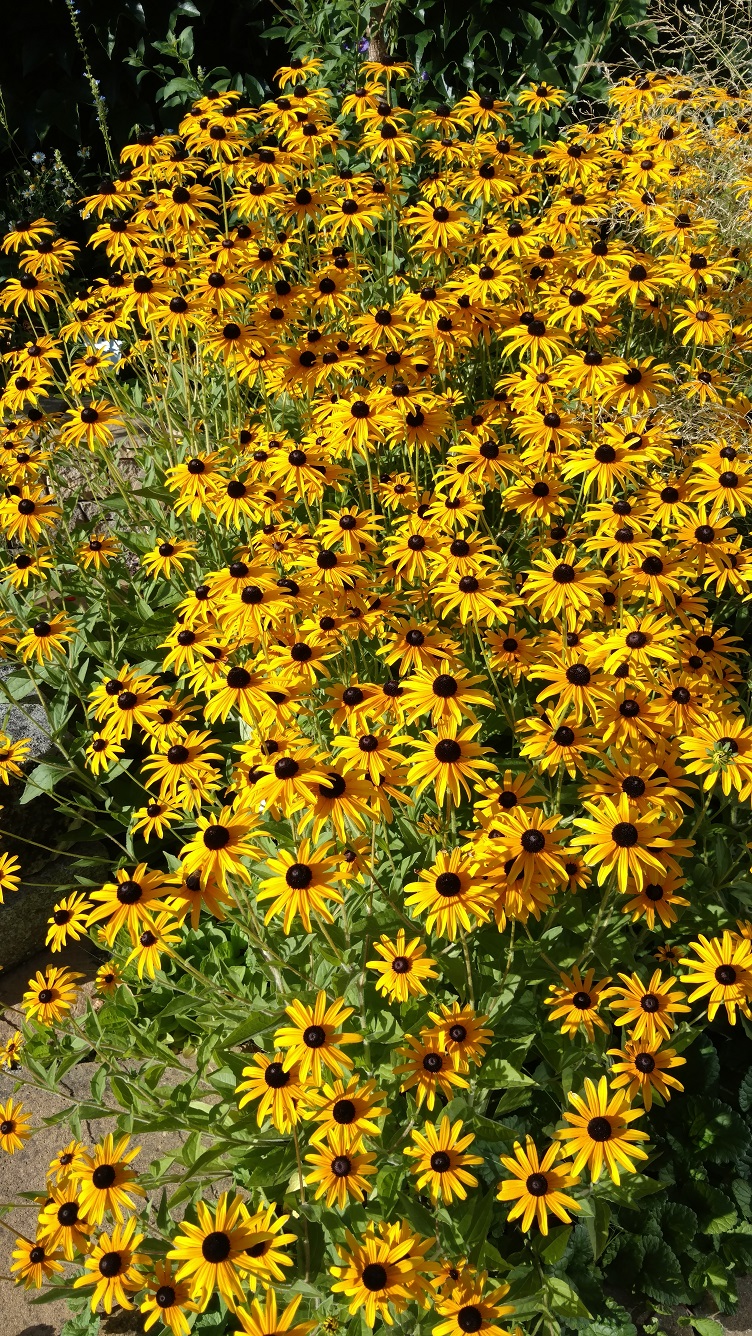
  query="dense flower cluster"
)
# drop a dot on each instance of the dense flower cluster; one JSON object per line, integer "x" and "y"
{"x": 436, "y": 529}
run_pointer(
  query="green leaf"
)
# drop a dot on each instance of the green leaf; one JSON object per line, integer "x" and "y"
{"x": 718, "y": 1132}
{"x": 84, "y": 1323}
{"x": 255, "y": 1023}
{"x": 715, "y": 1211}
{"x": 661, "y": 1276}
{"x": 123, "y": 1092}
{"x": 745, "y": 1092}
{"x": 474, "y": 1223}
{"x": 43, "y": 779}
{"x": 552, "y": 1247}
{"x": 562, "y": 1299}
{"x": 597, "y": 1226}
{"x": 707, "y": 1326}
{"x": 678, "y": 1224}
{"x": 632, "y": 1189}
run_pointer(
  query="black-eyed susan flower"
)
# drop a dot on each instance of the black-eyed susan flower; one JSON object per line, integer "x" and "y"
{"x": 169, "y": 555}
{"x": 576, "y": 1003}
{"x": 14, "y": 1126}
{"x": 448, "y": 698}
{"x": 616, "y": 839}
{"x": 219, "y": 845}
{"x": 105, "y": 1179}
{"x": 643, "y": 1069}
{"x": 168, "y": 1300}
{"x": 649, "y": 1008}
{"x": 93, "y": 425}
{"x": 720, "y": 749}
{"x": 158, "y": 938}
{"x": 108, "y": 979}
{"x": 450, "y": 894}
{"x": 154, "y": 819}
{"x": 345, "y": 1105}
{"x": 10, "y": 869}
{"x": 461, "y": 1034}
{"x": 66, "y": 1161}
{"x": 277, "y": 1087}
{"x": 112, "y": 1267}
{"x": 314, "y": 1037}
{"x": 10, "y": 1053}
{"x": 531, "y": 842}
{"x": 46, "y": 637}
{"x": 69, "y": 919}
{"x": 128, "y": 902}
{"x": 265, "y": 1260}
{"x": 374, "y": 1272}
{"x": 51, "y": 994}
{"x": 599, "y": 1134}
{"x": 102, "y": 753}
{"x": 341, "y": 1169}
{"x": 537, "y": 1186}
{"x": 561, "y": 584}
{"x": 657, "y": 897}
{"x": 721, "y": 972}
{"x": 441, "y": 1159}
{"x": 62, "y": 1223}
{"x": 303, "y": 883}
{"x": 214, "y": 1253}
{"x": 427, "y": 1070}
{"x": 473, "y": 1307}
{"x": 34, "y": 1263}
{"x": 451, "y": 764}
{"x": 403, "y": 967}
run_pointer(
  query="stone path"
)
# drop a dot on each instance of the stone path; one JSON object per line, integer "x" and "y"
{"x": 25, "y": 1171}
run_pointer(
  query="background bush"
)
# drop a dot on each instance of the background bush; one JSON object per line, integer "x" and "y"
{"x": 150, "y": 58}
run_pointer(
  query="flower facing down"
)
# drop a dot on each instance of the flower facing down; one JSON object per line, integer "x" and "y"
{"x": 263, "y": 1319}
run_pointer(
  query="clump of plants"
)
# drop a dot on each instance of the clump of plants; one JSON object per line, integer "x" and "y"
{"x": 375, "y": 546}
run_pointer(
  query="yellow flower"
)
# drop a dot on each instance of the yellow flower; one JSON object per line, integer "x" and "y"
{"x": 600, "y": 1133}
{"x": 576, "y": 1003}
{"x": 214, "y": 1254}
{"x": 14, "y": 1126}
{"x": 441, "y": 1155}
{"x": 537, "y": 1186}
{"x": 402, "y": 969}
{"x": 722, "y": 973}
{"x": 112, "y": 1267}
